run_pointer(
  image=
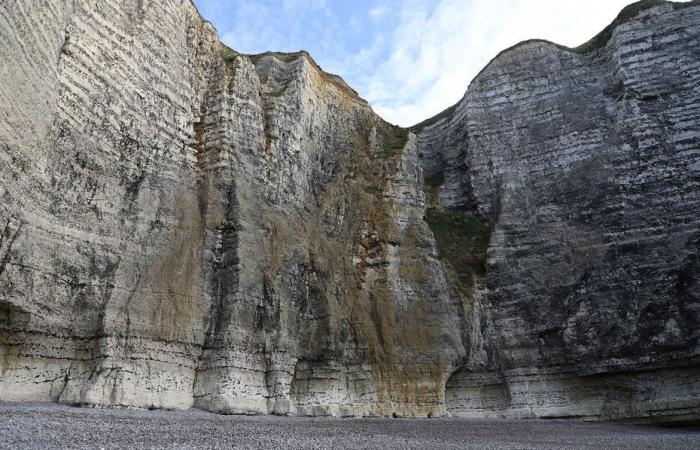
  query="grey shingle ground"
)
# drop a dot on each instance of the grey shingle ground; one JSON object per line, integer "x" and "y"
{"x": 55, "y": 426}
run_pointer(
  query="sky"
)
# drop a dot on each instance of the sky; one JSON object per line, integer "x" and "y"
{"x": 410, "y": 59}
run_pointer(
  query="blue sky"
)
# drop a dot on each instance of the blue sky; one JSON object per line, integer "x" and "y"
{"x": 409, "y": 58}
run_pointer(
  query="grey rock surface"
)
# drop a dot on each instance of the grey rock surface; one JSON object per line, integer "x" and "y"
{"x": 182, "y": 225}
{"x": 585, "y": 164}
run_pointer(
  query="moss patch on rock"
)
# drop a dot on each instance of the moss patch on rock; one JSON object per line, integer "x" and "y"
{"x": 436, "y": 180}
{"x": 462, "y": 242}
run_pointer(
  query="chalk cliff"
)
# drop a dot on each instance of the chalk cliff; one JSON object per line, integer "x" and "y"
{"x": 185, "y": 226}
{"x": 585, "y": 163}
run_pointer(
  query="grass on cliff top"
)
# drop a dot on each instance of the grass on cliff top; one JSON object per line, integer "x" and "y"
{"x": 228, "y": 54}
{"x": 394, "y": 139}
{"x": 462, "y": 242}
{"x": 628, "y": 13}
{"x": 279, "y": 56}
{"x": 446, "y": 114}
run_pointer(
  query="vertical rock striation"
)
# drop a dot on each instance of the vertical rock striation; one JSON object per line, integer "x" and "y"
{"x": 585, "y": 164}
{"x": 182, "y": 225}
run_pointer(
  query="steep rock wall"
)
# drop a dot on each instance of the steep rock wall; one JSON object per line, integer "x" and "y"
{"x": 585, "y": 164}
{"x": 183, "y": 225}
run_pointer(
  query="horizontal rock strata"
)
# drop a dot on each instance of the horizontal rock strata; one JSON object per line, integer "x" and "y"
{"x": 185, "y": 226}
{"x": 585, "y": 163}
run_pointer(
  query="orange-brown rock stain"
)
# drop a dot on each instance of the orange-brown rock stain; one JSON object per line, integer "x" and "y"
{"x": 410, "y": 388}
{"x": 341, "y": 249}
{"x": 176, "y": 280}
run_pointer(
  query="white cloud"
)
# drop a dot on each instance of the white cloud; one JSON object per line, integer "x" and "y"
{"x": 377, "y": 12}
{"x": 435, "y": 52}
{"x": 415, "y": 57}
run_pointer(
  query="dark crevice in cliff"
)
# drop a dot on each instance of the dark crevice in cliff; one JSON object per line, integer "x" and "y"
{"x": 219, "y": 211}
{"x": 66, "y": 380}
{"x": 13, "y": 322}
{"x": 7, "y": 240}
{"x": 63, "y": 50}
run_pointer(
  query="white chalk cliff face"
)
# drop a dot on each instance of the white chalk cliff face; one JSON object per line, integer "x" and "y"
{"x": 184, "y": 226}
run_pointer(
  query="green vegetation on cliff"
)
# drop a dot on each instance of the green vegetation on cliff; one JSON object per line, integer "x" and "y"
{"x": 446, "y": 114}
{"x": 279, "y": 56}
{"x": 394, "y": 139}
{"x": 462, "y": 242}
{"x": 435, "y": 181}
{"x": 228, "y": 55}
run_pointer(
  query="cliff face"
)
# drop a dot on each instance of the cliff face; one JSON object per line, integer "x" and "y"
{"x": 585, "y": 163}
{"x": 181, "y": 225}
{"x": 186, "y": 226}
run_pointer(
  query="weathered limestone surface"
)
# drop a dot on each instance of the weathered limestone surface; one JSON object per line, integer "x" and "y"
{"x": 587, "y": 165}
{"x": 184, "y": 226}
